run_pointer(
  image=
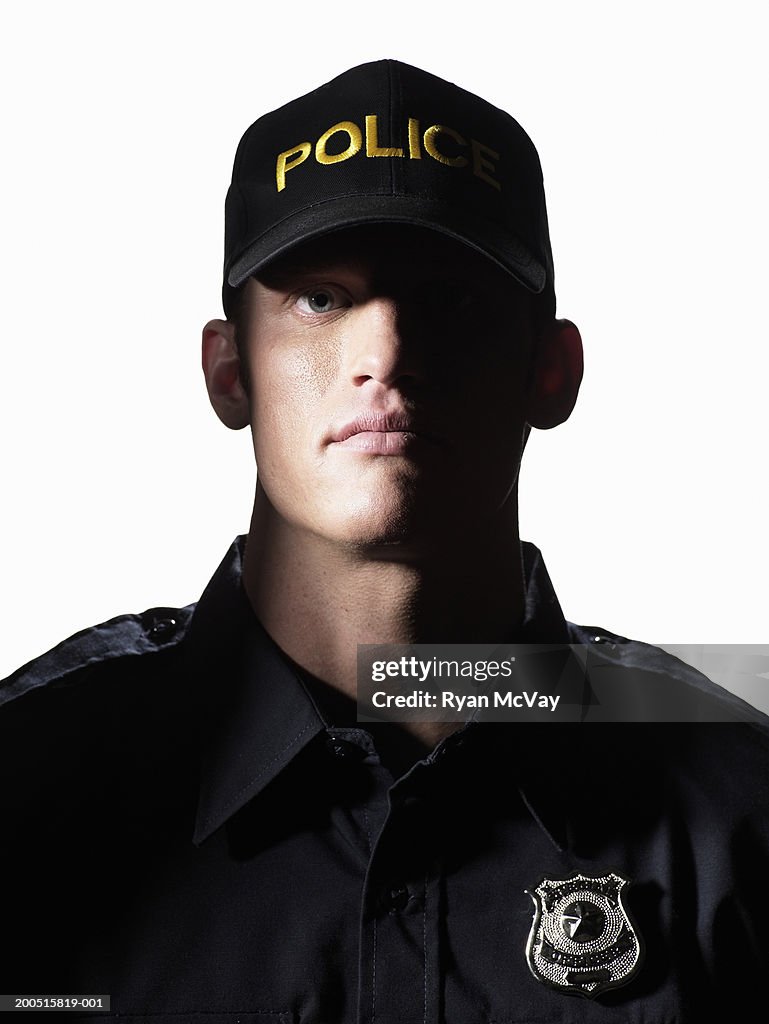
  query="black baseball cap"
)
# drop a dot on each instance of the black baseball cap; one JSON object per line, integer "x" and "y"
{"x": 388, "y": 143}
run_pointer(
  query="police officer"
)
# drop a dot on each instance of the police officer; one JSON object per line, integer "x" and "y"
{"x": 197, "y": 825}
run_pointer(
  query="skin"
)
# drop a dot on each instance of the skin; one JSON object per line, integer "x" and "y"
{"x": 415, "y": 541}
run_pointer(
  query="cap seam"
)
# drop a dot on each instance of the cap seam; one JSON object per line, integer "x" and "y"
{"x": 391, "y": 121}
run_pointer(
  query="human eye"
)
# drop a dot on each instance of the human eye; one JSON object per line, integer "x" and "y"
{"x": 321, "y": 299}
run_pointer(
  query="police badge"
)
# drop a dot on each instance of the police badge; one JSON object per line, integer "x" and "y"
{"x": 582, "y": 940}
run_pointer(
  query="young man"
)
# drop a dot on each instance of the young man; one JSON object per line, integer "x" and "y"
{"x": 197, "y": 823}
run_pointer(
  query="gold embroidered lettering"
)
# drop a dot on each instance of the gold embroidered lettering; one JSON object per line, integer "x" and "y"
{"x": 415, "y": 150}
{"x": 481, "y": 165}
{"x": 356, "y": 141}
{"x": 372, "y": 140}
{"x": 285, "y": 163}
{"x": 432, "y": 134}
{"x": 483, "y": 161}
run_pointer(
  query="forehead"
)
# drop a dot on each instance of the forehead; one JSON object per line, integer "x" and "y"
{"x": 389, "y": 253}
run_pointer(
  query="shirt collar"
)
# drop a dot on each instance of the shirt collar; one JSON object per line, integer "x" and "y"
{"x": 256, "y": 713}
{"x": 543, "y": 620}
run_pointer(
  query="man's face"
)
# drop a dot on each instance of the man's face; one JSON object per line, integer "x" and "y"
{"x": 387, "y": 372}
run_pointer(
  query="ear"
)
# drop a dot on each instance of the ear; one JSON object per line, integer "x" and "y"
{"x": 221, "y": 366}
{"x": 556, "y": 375}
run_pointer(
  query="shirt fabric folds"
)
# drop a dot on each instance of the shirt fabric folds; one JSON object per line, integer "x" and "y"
{"x": 194, "y": 827}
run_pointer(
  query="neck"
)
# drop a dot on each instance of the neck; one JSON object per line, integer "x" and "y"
{"x": 318, "y": 600}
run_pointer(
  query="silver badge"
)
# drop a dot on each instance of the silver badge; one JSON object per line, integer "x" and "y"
{"x": 582, "y": 940}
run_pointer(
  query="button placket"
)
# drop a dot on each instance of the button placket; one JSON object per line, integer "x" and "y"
{"x": 400, "y": 922}
{"x": 361, "y": 804}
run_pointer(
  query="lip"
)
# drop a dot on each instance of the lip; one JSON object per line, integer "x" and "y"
{"x": 382, "y": 433}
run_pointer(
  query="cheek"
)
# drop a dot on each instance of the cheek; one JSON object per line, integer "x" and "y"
{"x": 288, "y": 386}
{"x": 496, "y": 388}
{"x": 495, "y": 407}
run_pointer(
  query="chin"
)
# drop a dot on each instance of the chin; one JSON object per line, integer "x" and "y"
{"x": 395, "y": 531}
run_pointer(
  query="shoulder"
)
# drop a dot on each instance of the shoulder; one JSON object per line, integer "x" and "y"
{"x": 704, "y": 757}
{"x": 106, "y": 713}
{"x": 675, "y": 690}
{"x": 101, "y": 650}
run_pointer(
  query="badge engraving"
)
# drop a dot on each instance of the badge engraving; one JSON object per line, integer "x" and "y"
{"x": 582, "y": 939}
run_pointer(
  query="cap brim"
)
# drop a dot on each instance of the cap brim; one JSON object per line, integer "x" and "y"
{"x": 352, "y": 211}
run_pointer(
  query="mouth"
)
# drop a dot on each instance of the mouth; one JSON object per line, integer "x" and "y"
{"x": 394, "y": 433}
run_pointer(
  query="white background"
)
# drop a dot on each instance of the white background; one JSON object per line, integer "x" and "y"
{"x": 120, "y": 489}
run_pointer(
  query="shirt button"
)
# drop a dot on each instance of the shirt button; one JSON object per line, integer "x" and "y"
{"x": 609, "y": 646}
{"x": 343, "y": 749}
{"x": 396, "y": 899}
{"x": 161, "y": 627}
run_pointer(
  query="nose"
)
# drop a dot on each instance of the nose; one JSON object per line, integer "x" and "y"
{"x": 380, "y": 348}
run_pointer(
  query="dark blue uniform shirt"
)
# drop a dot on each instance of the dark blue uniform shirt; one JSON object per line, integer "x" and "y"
{"x": 195, "y": 829}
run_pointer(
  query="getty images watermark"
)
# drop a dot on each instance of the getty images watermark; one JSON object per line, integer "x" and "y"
{"x": 594, "y": 682}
